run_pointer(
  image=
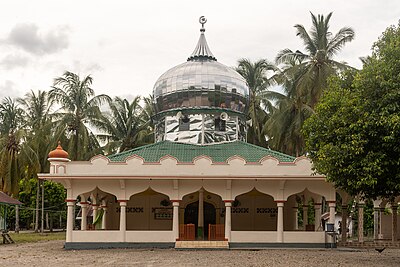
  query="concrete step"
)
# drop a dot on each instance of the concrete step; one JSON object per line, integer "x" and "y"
{"x": 201, "y": 245}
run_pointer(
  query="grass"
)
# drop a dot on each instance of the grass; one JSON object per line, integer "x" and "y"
{"x": 36, "y": 237}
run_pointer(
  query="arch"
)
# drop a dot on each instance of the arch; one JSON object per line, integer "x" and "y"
{"x": 111, "y": 186}
{"x": 213, "y": 210}
{"x": 100, "y": 204}
{"x": 216, "y": 187}
{"x": 254, "y": 211}
{"x": 149, "y": 210}
{"x": 316, "y": 187}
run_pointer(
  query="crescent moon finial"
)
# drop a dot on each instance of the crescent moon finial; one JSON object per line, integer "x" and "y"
{"x": 202, "y": 21}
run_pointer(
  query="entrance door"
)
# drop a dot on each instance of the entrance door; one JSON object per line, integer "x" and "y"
{"x": 192, "y": 216}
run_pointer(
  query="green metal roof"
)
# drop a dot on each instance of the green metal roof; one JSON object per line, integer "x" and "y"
{"x": 187, "y": 152}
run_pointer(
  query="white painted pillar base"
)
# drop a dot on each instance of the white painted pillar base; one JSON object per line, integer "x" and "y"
{"x": 228, "y": 220}
{"x": 104, "y": 218}
{"x": 175, "y": 219}
{"x": 122, "y": 220}
{"x": 84, "y": 207}
{"x": 279, "y": 228}
{"x": 70, "y": 219}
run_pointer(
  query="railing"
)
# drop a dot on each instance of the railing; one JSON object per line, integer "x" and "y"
{"x": 187, "y": 232}
{"x": 216, "y": 232}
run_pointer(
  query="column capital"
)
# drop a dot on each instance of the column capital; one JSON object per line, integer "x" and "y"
{"x": 175, "y": 203}
{"x": 228, "y": 200}
{"x": 317, "y": 204}
{"x": 70, "y": 202}
{"x": 228, "y": 203}
{"x": 83, "y": 203}
{"x": 175, "y": 200}
{"x": 122, "y": 202}
{"x": 280, "y": 201}
{"x": 331, "y": 203}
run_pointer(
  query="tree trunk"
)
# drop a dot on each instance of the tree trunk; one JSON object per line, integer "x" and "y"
{"x": 37, "y": 207}
{"x": 51, "y": 223}
{"x": 47, "y": 220}
{"x": 42, "y": 224}
{"x": 16, "y": 219}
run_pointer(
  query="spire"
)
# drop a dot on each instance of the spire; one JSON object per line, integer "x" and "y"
{"x": 202, "y": 51}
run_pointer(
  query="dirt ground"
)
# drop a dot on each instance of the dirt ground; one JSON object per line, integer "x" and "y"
{"x": 51, "y": 253}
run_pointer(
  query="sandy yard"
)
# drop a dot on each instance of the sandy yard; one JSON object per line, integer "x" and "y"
{"x": 51, "y": 253}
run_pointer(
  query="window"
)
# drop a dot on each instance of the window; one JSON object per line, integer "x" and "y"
{"x": 220, "y": 125}
{"x": 184, "y": 123}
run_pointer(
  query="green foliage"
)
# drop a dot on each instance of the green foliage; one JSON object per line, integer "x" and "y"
{"x": 80, "y": 109}
{"x": 54, "y": 204}
{"x": 304, "y": 76}
{"x": 354, "y": 136}
{"x": 261, "y": 105}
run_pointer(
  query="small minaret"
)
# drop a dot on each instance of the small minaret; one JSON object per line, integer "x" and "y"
{"x": 58, "y": 159}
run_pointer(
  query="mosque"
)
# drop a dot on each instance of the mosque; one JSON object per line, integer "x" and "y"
{"x": 200, "y": 184}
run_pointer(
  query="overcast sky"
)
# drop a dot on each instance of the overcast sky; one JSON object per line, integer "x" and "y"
{"x": 127, "y": 45}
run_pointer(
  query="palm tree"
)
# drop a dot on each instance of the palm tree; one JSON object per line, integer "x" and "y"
{"x": 11, "y": 117}
{"x": 79, "y": 114}
{"x": 317, "y": 63}
{"x": 284, "y": 126}
{"x": 147, "y": 115}
{"x": 126, "y": 125}
{"x": 260, "y": 108}
{"x": 40, "y": 140}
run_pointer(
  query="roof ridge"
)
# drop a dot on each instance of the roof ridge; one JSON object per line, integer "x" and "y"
{"x": 133, "y": 149}
{"x": 268, "y": 149}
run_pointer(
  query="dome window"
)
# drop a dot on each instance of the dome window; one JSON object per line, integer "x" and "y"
{"x": 220, "y": 124}
{"x": 184, "y": 123}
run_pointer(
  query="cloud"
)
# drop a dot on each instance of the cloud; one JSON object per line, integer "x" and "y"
{"x": 29, "y": 38}
{"x": 14, "y": 61}
{"x": 90, "y": 68}
{"x": 8, "y": 89}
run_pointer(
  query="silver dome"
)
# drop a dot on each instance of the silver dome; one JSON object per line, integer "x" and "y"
{"x": 201, "y": 83}
{"x": 201, "y": 101}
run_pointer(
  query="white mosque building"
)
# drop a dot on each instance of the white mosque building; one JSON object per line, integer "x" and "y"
{"x": 200, "y": 184}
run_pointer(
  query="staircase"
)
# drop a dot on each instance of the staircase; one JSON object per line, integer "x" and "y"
{"x": 201, "y": 245}
{"x": 6, "y": 238}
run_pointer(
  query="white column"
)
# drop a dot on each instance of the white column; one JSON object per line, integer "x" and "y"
{"x": 70, "y": 219}
{"x": 295, "y": 217}
{"x": 104, "y": 218}
{"x": 84, "y": 207}
{"x": 305, "y": 216}
{"x": 95, "y": 208}
{"x": 317, "y": 220}
{"x": 122, "y": 220}
{"x": 228, "y": 220}
{"x": 175, "y": 219}
{"x": 279, "y": 227}
{"x": 200, "y": 222}
{"x": 332, "y": 206}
